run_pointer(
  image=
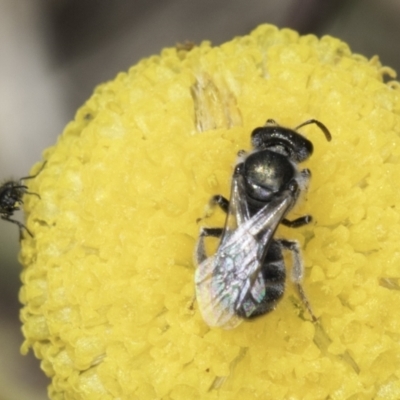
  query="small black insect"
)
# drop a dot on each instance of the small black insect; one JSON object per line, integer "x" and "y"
{"x": 245, "y": 278}
{"x": 11, "y": 193}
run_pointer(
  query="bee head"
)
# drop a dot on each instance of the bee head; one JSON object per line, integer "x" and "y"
{"x": 284, "y": 141}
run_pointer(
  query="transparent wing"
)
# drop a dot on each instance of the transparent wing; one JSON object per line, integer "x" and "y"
{"x": 220, "y": 283}
{"x": 224, "y": 280}
{"x": 238, "y": 211}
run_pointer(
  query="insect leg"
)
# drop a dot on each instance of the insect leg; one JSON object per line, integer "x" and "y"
{"x": 34, "y": 194}
{"x": 21, "y": 225}
{"x": 37, "y": 173}
{"x": 296, "y": 223}
{"x": 306, "y": 219}
{"x": 220, "y": 201}
{"x": 217, "y": 200}
{"x": 306, "y": 173}
{"x": 304, "y": 179}
{"x": 293, "y": 246}
{"x": 200, "y": 251}
{"x": 297, "y": 271}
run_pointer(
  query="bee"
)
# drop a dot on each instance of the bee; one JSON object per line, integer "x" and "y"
{"x": 11, "y": 193}
{"x": 245, "y": 278}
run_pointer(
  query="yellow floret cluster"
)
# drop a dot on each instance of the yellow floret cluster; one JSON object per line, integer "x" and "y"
{"x": 108, "y": 276}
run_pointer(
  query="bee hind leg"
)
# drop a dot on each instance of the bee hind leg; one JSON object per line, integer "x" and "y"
{"x": 297, "y": 272}
{"x": 200, "y": 251}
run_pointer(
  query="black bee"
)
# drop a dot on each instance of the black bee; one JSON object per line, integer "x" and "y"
{"x": 11, "y": 193}
{"x": 245, "y": 278}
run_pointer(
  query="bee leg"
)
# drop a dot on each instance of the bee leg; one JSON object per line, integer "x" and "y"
{"x": 34, "y": 194}
{"x": 220, "y": 201}
{"x": 20, "y": 225}
{"x": 296, "y": 223}
{"x": 34, "y": 176}
{"x": 200, "y": 250}
{"x": 306, "y": 174}
{"x": 216, "y": 200}
{"x": 305, "y": 219}
{"x": 20, "y": 187}
{"x": 297, "y": 272}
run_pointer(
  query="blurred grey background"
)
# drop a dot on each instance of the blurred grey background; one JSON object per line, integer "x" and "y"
{"x": 54, "y": 52}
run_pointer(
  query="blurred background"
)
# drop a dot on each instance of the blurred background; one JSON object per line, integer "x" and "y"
{"x": 54, "y": 52}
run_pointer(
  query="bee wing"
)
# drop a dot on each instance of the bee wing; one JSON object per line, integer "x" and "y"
{"x": 225, "y": 280}
{"x": 213, "y": 296}
{"x": 238, "y": 211}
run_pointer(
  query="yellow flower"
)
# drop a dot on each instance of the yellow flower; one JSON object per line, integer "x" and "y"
{"x": 108, "y": 277}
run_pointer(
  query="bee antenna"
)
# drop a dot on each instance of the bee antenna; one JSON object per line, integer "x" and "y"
{"x": 320, "y": 125}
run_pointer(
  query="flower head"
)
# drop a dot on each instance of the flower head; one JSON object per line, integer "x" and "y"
{"x": 108, "y": 276}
